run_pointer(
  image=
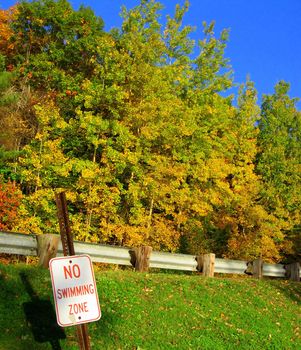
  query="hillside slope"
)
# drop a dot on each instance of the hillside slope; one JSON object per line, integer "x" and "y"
{"x": 154, "y": 311}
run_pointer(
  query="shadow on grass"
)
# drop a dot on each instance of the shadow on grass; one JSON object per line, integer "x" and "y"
{"x": 290, "y": 290}
{"x": 41, "y": 318}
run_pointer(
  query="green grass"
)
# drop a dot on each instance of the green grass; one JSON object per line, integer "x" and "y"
{"x": 155, "y": 311}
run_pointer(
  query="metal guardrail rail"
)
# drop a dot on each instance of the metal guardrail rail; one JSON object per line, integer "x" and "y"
{"x": 103, "y": 253}
{"x": 17, "y": 243}
{"x": 173, "y": 261}
{"x": 230, "y": 266}
{"x": 24, "y": 244}
{"x": 274, "y": 270}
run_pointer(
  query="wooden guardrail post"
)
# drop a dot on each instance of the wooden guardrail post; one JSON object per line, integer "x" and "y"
{"x": 254, "y": 268}
{"x": 206, "y": 264}
{"x": 140, "y": 258}
{"x": 257, "y": 268}
{"x": 47, "y": 248}
{"x": 293, "y": 271}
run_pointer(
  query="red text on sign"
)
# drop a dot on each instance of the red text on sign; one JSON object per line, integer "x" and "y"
{"x": 72, "y": 271}
{"x": 75, "y": 309}
{"x": 75, "y": 291}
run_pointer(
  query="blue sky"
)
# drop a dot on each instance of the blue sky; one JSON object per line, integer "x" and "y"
{"x": 265, "y": 35}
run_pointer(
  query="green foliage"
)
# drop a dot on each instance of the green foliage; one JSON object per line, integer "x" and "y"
{"x": 9, "y": 98}
{"x": 279, "y": 140}
{"x": 7, "y": 94}
{"x": 54, "y": 47}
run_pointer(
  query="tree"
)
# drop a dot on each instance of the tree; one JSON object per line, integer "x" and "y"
{"x": 6, "y": 19}
{"x": 10, "y": 197}
{"x": 279, "y": 161}
{"x": 54, "y": 47}
{"x": 255, "y": 232}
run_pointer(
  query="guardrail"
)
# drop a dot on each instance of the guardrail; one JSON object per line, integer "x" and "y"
{"x": 17, "y": 243}
{"x": 25, "y": 244}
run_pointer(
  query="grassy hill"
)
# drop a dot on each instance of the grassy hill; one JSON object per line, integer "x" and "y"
{"x": 154, "y": 311}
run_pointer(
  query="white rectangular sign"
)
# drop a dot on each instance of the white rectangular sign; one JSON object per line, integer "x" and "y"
{"x": 74, "y": 290}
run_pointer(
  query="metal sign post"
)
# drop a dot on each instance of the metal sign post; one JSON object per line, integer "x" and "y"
{"x": 68, "y": 249}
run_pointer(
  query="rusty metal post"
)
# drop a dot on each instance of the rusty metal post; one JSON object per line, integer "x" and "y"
{"x": 66, "y": 235}
{"x": 68, "y": 249}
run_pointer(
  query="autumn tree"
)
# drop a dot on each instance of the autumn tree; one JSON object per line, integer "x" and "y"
{"x": 279, "y": 161}
{"x": 10, "y": 197}
{"x": 254, "y": 232}
{"x": 6, "y": 19}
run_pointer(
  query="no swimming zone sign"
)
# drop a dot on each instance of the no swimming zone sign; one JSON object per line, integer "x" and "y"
{"x": 74, "y": 290}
